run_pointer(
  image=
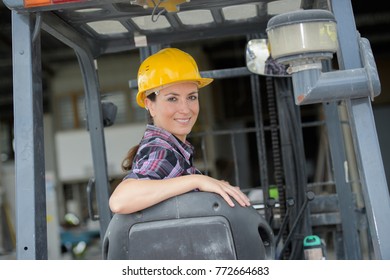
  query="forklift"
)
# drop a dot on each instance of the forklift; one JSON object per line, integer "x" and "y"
{"x": 339, "y": 76}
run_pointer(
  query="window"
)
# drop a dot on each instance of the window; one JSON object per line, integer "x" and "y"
{"x": 71, "y": 113}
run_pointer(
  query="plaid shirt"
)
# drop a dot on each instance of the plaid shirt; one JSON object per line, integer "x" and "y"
{"x": 161, "y": 155}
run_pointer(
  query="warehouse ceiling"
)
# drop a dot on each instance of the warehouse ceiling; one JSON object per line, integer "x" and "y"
{"x": 373, "y": 22}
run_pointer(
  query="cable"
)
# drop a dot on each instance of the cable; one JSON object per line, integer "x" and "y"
{"x": 155, "y": 9}
{"x": 294, "y": 158}
{"x": 309, "y": 197}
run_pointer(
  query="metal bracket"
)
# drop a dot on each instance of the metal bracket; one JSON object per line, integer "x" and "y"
{"x": 90, "y": 189}
{"x": 313, "y": 86}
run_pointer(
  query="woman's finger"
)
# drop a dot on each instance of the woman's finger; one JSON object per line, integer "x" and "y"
{"x": 227, "y": 198}
{"x": 237, "y": 194}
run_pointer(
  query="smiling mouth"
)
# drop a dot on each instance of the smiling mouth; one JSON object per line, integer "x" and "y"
{"x": 183, "y": 121}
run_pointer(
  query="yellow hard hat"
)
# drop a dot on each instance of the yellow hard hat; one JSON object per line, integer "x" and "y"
{"x": 166, "y": 67}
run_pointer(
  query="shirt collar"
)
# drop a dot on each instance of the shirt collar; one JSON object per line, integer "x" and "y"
{"x": 185, "y": 148}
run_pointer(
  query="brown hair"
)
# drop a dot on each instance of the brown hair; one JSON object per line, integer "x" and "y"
{"x": 127, "y": 162}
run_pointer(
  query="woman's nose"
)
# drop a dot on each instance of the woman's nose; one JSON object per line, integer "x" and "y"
{"x": 184, "y": 106}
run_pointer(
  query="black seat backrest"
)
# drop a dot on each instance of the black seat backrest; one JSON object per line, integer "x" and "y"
{"x": 195, "y": 225}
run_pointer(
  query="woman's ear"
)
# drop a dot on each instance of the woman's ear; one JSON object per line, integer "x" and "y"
{"x": 147, "y": 103}
{"x": 149, "y": 106}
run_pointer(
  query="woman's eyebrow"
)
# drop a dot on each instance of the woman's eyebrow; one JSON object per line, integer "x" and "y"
{"x": 171, "y": 93}
{"x": 192, "y": 93}
{"x": 178, "y": 94}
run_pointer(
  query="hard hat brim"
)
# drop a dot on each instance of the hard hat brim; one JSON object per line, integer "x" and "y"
{"x": 201, "y": 82}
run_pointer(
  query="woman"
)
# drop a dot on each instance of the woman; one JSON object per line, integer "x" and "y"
{"x": 161, "y": 165}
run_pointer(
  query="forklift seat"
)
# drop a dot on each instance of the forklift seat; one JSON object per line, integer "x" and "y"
{"x": 192, "y": 226}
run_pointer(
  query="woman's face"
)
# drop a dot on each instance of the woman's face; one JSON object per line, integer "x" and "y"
{"x": 176, "y": 108}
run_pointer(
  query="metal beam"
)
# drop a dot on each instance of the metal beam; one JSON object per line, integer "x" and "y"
{"x": 86, "y": 55}
{"x": 364, "y": 135}
{"x": 31, "y": 236}
{"x": 96, "y": 132}
{"x": 343, "y": 187}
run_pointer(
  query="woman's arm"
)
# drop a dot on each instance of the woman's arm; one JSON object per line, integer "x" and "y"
{"x": 133, "y": 195}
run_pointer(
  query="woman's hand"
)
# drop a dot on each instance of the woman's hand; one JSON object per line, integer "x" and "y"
{"x": 224, "y": 189}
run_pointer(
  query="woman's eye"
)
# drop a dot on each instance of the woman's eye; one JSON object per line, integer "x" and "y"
{"x": 172, "y": 99}
{"x": 193, "y": 97}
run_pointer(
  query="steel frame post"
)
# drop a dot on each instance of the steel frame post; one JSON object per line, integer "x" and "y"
{"x": 343, "y": 187}
{"x": 96, "y": 132}
{"x": 31, "y": 236}
{"x": 260, "y": 141}
{"x": 53, "y": 26}
{"x": 364, "y": 135}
